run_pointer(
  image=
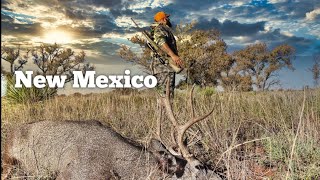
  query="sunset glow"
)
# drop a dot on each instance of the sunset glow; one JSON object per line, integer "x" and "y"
{"x": 59, "y": 37}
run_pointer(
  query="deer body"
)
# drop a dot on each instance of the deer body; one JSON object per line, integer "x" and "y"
{"x": 76, "y": 150}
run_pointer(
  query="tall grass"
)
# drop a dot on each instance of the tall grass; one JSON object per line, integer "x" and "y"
{"x": 249, "y": 135}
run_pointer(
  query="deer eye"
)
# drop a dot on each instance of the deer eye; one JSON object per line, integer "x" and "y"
{"x": 161, "y": 152}
{"x": 199, "y": 167}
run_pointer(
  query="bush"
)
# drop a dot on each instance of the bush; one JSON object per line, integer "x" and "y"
{"x": 207, "y": 91}
{"x": 26, "y": 95}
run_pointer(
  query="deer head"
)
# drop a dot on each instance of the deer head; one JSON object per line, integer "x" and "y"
{"x": 181, "y": 152}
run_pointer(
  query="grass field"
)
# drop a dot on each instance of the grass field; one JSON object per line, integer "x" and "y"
{"x": 256, "y": 135}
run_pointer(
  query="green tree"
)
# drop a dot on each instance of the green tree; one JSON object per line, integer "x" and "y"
{"x": 206, "y": 57}
{"x": 261, "y": 64}
{"x": 231, "y": 81}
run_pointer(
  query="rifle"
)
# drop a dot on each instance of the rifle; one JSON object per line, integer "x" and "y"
{"x": 158, "y": 53}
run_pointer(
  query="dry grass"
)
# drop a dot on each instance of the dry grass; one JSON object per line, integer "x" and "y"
{"x": 249, "y": 135}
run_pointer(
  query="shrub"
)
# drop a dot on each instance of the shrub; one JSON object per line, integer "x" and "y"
{"x": 26, "y": 95}
{"x": 207, "y": 91}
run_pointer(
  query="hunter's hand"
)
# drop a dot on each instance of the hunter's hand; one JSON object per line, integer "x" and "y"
{"x": 178, "y": 61}
{"x": 173, "y": 56}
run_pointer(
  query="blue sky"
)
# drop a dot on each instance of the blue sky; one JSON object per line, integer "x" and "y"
{"x": 100, "y": 27}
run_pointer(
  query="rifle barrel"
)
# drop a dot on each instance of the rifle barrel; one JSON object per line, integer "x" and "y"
{"x": 135, "y": 23}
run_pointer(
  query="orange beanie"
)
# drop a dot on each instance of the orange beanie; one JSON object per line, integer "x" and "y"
{"x": 160, "y": 15}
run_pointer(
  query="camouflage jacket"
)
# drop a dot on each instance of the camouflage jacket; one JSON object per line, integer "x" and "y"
{"x": 163, "y": 34}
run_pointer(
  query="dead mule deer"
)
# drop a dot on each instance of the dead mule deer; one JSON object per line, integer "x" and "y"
{"x": 88, "y": 150}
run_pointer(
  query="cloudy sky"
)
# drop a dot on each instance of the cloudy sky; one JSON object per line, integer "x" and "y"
{"x": 100, "y": 26}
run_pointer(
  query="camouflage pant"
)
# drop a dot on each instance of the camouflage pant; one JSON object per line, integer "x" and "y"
{"x": 163, "y": 73}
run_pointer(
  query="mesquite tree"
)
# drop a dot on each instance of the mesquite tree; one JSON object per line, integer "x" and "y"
{"x": 316, "y": 69}
{"x": 261, "y": 64}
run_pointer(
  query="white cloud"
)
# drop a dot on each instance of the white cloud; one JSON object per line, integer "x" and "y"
{"x": 7, "y": 38}
{"x": 19, "y": 21}
{"x": 312, "y": 15}
{"x": 277, "y": 1}
{"x": 138, "y": 6}
{"x": 240, "y": 3}
{"x": 159, "y": 3}
{"x": 241, "y": 39}
{"x": 41, "y": 14}
{"x": 289, "y": 34}
{"x": 114, "y": 35}
{"x": 123, "y": 21}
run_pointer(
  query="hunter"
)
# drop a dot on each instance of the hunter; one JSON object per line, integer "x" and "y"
{"x": 164, "y": 38}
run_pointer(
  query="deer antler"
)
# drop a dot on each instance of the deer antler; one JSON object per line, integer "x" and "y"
{"x": 191, "y": 101}
{"x": 179, "y": 130}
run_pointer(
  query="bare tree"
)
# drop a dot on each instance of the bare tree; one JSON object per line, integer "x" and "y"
{"x": 54, "y": 60}
{"x": 14, "y": 58}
